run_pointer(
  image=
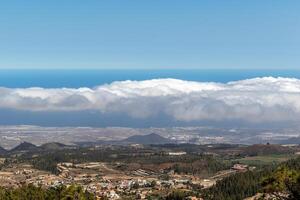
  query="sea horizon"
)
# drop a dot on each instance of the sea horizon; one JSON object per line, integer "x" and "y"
{"x": 76, "y": 78}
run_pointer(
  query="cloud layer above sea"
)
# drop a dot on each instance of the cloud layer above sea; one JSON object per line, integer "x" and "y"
{"x": 265, "y": 99}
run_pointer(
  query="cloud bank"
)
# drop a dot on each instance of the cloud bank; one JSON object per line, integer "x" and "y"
{"x": 265, "y": 99}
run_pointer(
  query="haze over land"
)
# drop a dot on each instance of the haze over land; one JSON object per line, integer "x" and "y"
{"x": 11, "y": 136}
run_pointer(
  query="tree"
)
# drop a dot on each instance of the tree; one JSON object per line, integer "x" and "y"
{"x": 176, "y": 195}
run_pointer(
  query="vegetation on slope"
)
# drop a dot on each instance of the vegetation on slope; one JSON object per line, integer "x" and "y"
{"x": 284, "y": 178}
{"x": 31, "y": 192}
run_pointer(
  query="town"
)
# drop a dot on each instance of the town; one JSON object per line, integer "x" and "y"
{"x": 132, "y": 171}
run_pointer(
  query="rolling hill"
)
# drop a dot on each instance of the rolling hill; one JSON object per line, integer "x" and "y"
{"x": 2, "y": 151}
{"x": 147, "y": 139}
{"x": 53, "y": 146}
{"x": 24, "y": 146}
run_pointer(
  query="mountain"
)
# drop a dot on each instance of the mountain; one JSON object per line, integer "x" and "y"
{"x": 136, "y": 139}
{"x": 147, "y": 139}
{"x": 24, "y": 146}
{"x": 2, "y": 151}
{"x": 55, "y": 146}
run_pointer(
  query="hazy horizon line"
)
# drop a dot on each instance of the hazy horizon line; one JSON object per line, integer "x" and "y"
{"x": 150, "y": 69}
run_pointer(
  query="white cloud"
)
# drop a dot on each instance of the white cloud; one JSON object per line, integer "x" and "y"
{"x": 254, "y": 100}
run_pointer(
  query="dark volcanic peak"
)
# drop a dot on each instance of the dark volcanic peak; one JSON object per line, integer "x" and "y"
{"x": 24, "y": 146}
{"x": 2, "y": 151}
{"x": 147, "y": 139}
{"x": 53, "y": 146}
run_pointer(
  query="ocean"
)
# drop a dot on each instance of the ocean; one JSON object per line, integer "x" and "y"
{"x": 92, "y": 78}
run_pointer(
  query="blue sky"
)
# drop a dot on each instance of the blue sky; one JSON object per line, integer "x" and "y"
{"x": 150, "y": 34}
